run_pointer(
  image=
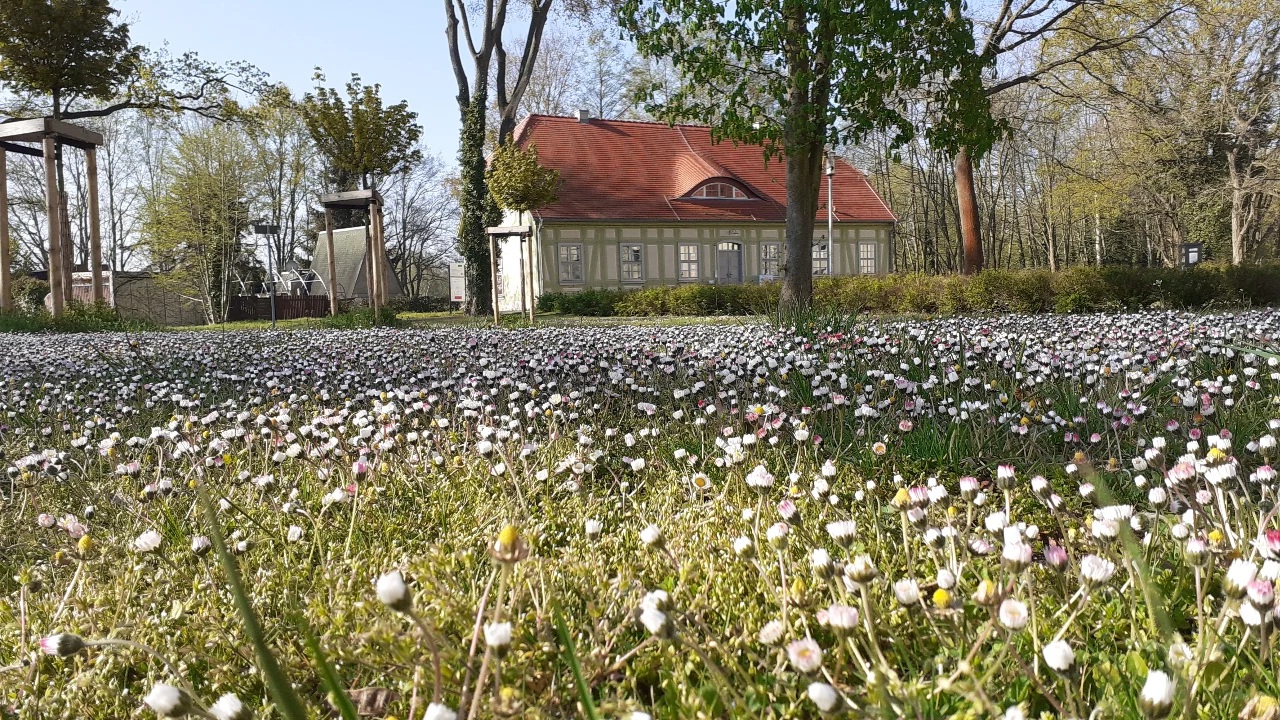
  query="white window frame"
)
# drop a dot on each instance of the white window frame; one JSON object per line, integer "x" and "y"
{"x": 562, "y": 263}
{"x": 624, "y": 264}
{"x": 682, "y": 262}
{"x": 821, "y": 254}
{"x": 735, "y": 192}
{"x": 767, "y": 262}
{"x": 864, "y": 257}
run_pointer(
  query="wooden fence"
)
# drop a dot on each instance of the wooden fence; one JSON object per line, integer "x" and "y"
{"x": 288, "y": 307}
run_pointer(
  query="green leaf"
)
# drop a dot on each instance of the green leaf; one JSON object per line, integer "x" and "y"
{"x": 571, "y": 656}
{"x": 282, "y": 693}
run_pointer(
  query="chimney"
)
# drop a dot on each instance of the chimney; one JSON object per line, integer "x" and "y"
{"x": 584, "y": 116}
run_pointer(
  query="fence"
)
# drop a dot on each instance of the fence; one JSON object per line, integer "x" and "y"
{"x": 288, "y": 307}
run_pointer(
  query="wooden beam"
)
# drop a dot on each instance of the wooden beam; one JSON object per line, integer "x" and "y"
{"x": 20, "y": 149}
{"x": 370, "y": 268}
{"x": 383, "y": 263}
{"x": 34, "y": 131}
{"x": 493, "y": 278}
{"x": 95, "y": 225}
{"x": 508, "y": 230}
{"x": 55, "y": 225}
{"x": 6, "y": 254}
{"x": 333, "y": 262}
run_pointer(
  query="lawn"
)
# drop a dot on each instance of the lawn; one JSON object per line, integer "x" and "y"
{"x": 969, "y": 517}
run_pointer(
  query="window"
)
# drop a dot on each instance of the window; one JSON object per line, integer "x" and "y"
{"x": 632, "y": 258}
{"x": 570, "y": 263}
{"x": 719, "y": 191}
{"x": 771, "y": 259}
{"x": 689, "y": 263}
{"x": 867, "y": 258}
{"x": 821, "y": 259}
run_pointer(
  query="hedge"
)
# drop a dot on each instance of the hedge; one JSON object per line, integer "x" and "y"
{"x": 1084, "y": 289}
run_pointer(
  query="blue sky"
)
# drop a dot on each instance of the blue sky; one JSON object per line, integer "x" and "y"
{"x": 398, "y": 43}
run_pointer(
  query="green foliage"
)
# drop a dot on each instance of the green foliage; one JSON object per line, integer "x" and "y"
{"x": 360, "y": 317}
{"x": 360, "y": 138}
{"x": 29, "y": 293}
{"x": 479, "y": 211}
{"x": 58, "y": 48}
{"x": 78, "y": 318}
{"x": 1083, "y": 289}
{"x": 518, "y": 182}
{"x": 193, "y": 227}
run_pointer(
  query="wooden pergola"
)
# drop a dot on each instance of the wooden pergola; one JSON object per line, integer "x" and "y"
{"x": 48, "y": 135}
{"x": 523, "y": 235}
{"x": 375, "y": 245}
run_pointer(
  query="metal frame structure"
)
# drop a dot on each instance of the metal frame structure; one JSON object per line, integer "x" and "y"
{"x": 51, "y": 135}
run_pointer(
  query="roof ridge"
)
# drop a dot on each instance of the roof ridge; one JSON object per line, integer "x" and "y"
{"x": 658, "y": 123}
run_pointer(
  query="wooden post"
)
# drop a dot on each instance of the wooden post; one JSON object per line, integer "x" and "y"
{"x": 333, "y": 262}
{"x": 370, "y": 268}
{"x": 56, "y": 268}
{"x": 524, "y": 295}
{"x": 382, "y": 252}
{"x": 493, "y": 278}
{"x": 533, "y": 290}
{"x": 95, "y": 226}
{"x": 6, "y": 258}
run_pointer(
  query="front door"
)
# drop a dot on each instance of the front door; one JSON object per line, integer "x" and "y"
{"x": 729, "y": 263}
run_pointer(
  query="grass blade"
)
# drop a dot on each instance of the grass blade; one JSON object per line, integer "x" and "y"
{"x": 287, "y": 702}
{"x": 571, "y": 657}
{"x": 327, "y": 674}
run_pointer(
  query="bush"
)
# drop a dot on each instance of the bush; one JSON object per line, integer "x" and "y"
{"x": 420, "y": 304}
{"x": 360, "y": 317}
{"x": 78, "y": 318}
{"x": 1076, "y": 290}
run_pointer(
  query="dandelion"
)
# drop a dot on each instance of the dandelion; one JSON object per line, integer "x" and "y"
{"x": 805, "y": 655}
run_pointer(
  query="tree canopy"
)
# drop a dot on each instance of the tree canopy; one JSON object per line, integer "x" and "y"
{"x": 361, "y": 138}
{"x": 518, "y": 182}
{"x": 798, "y": 75}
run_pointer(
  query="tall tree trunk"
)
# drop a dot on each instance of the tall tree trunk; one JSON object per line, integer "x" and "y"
{"x": 473, "y": 243}
{"x": 1097, "y": 233}
{"x": 970, "y": 227}
{"x": 804, "y": 168}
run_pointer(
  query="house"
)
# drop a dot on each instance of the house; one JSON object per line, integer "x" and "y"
{"x": 645, "y": 204}
{"x": 351, "y": 254}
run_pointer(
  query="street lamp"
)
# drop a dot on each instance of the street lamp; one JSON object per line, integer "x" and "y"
{"x": 262, "y": 228}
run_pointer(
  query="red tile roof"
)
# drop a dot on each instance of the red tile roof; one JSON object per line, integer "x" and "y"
{"x": 644, "y": 171}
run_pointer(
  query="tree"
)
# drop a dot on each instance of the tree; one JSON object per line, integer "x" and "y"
{"x": 286, "y": 162}
{"x": 782, "y": 74}
{"x": 360, "y": 139}
{"x": 421, "y": 216}
{"x": 482, "y": 36}
{"x": 1019, "y": 26}
{"x": 518, "y": 182}
{"x": 193, "y": 228}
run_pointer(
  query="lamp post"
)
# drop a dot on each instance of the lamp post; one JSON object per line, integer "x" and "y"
{"x": 262, "y": 228}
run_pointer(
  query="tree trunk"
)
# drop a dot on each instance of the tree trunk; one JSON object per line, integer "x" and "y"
{"x": 804, "y": 168}
{"x": 970, "y": 226}
{"x": 472, "y": 242}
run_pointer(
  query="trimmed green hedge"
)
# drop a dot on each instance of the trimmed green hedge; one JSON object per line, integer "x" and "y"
{"x": 1083, "y": 289}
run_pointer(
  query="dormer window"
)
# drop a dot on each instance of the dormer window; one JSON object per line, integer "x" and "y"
{"x": 719, "y": 191}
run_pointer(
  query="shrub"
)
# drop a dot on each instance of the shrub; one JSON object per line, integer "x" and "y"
{"x": 360, "y": 317}
{"x": 77, "y": 318}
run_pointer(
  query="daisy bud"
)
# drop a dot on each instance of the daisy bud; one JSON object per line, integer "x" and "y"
{"x": 1197, "y": 551}
{"x": 987, "y": 594}
{"x": 1055, "y": 557}
{"x": 593, "y": 529}
{"x": 842, "y": 618}
{"x": 1239, "y": 575}
{"x": 393, "y": 592}
{"x": 1016, "y": 556}
{"x": 655, "y": 621}
{"x": 820, "y": 563}
{"x": 201, "y": 545}
{"x": 1262, "y": 594}
{"x": 61, "y": 644}
{"x": 1013, "y": 614}
{"x": 147, "y": 542}
{"x": 862, "y": 570}
{"x": 743, "y": 547}
{"x": 1156, "y": 699}
{"x": 497, "y": 636}
{"x": 842, "y": 532}
{"x": 824, "y": 696}
{"x": 907, "y": 591}
{"x": 168, "y": 701}
{"x": 777, "y": 534}
{"x": 229, "y": 707}
{"x": 1059, "y": 655}
{"x": 652, "y": 537}
{"x": 439, "y": 711}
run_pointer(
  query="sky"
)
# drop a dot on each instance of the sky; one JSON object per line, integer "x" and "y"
{"x": 397, "y": 43}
